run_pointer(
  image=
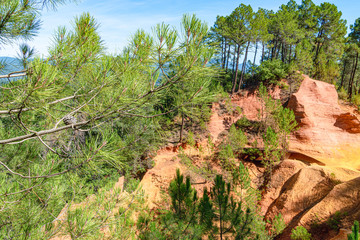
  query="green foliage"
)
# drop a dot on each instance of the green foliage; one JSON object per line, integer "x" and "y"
{"x": 181, "y": 222}
{"x": 114, "y": 102}
{"x": 131, "y": 185}
{"x": 236, "y": 139}
{"x": 342, "y": 94}
{"x": 334, "y": 221}
{"x": 356, "y": 99}
{"x": 280, "y": 123}
{"x": 231, "y": 148}
{"x": 278, "y": 225}
{"x": 306, "y": 37}
{"x": 280, "y": 119}
{"x": 272, "y": 154}
{"x": 243, "y": 123}
{"x": 190, "y": 139}
{"x": 355, "y": 231}
{"x": 300, "y": 233}
{"x": 182, "y": 195}
{"x": 21, "y": 21}
{"x": 272, "y": 71}
{"x": 334, "y": 179}
{"x": 201, "y": 217}
{"x": 228, "y": 212}
{"x": 206, "y": 212}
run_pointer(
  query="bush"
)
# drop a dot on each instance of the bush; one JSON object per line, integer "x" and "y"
{"x": 342, "y": 94}
{"x": 356, "y": 99}
{"x": 335, "y": 220}
{"x": 243, "y": 123}
{"x": 272, "y": 71}
{"x": 278, "y": 225}
{"x": 354, "y": 235}
{"x": 300, "y": 233}
{"x": 190, "y": 139}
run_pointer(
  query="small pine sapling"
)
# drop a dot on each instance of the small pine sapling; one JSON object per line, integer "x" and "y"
{"x": 355, "y": 232}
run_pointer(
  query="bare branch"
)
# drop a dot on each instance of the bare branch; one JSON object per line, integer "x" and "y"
{"x": 27, "y": 109}
{"x": 14, "y": 74}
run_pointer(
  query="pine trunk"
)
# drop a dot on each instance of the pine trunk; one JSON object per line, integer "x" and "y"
{"x": 243, "y": 69}
{"x": 290, "y": 51}
{"x": 263, "y": 52}
{"x": 224, "y": 53}
{"x": 227, "y": 58}
{"x": 342, "y": 76}
{"x": 273, "y": 50}
{"x": 234, "y": 59}
{"x": 237, "y": 70}
{"x": 256, "y": 47}
{"x": 182, "y": 127}
{"x": 351, "y": 83}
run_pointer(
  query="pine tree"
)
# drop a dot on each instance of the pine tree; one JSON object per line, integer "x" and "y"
{"x": 112, "y": 98}
{"x": 206, "y": 212}
{"x": 229, "y": 213}
{"x": 355, "y": 232}
{"x": 329, "y": 42}
{"x": 182, "y": 195}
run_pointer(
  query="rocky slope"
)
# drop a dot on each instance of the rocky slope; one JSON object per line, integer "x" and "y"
{"x": 319, "y": 179}
{"x": 321, "y": 198}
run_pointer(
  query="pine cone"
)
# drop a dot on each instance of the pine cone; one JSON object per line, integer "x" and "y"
{"x": 69, "y": 120}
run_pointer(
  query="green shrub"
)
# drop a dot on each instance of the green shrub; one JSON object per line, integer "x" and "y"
{"x": 335, "y": 220}
{"x": 342, "y": 94}
{"x": 272, "y": 71}
{"x": 355, "y": 232}
{"x": 243, "y": 123}
{"x": 356, "y": 99}
{"x": 300, "y": 233}
{"x": 191, "y": 139}
{"x": 278, "y": 225}
{"x": 131, "y": 184}
{"x": 237, "y": 139}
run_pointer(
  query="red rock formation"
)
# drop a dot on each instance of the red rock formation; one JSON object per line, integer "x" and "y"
{"x": 327, "y": 132}
{"x": 305, "y": 195}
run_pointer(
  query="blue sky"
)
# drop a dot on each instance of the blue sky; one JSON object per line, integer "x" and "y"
{"x": 119, "y": 19}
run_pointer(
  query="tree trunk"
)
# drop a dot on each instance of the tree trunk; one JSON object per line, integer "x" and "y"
{"x": 256, "y": 47}
{"x": 263, "y": 52}
{"x": 236, "y": 71}
{"x": 342, "y": 76}
{"x": 273, "y": 50}
{"x": 318, "y": 45}
{"x": 234, "y": 58}
{"x": 351, "y": 83}
{"x": 277, "y": 50}
{"x": 243, "y": 69}
{"x": 227, "y": 58}
{"x": 290, "y": 50}
{"x": 224, "y": 54}
{"x": 182, "y": 127}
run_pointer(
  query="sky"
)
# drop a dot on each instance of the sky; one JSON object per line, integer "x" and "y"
{"x": 119, "y": 19}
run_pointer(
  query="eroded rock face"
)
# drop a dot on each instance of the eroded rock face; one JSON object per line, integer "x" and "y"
{"x": 285, "y": 170}
{"x": 348, "y": 122}
{"x": 343, "y": 198}
{"x": 327, "y": 132}
{"x": 300, "y": 192}
{"x": 308, "y": 194}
